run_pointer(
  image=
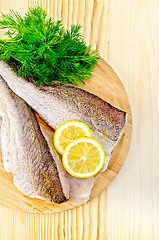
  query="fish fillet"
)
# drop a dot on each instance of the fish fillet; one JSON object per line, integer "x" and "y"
{"x": 26, "y": 153}
{"x": 59, "y": 103}
{"x": 80, "y": 189}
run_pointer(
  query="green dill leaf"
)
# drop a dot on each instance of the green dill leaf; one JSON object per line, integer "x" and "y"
{"x": 44, "y": 50}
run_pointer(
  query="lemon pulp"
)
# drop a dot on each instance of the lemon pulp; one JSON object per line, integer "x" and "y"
{"x": 68, "y": 132}
{"x": 83, "y": 157}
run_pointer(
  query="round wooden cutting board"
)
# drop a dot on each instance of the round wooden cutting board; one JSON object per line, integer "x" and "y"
{"x": 106, "y": 84}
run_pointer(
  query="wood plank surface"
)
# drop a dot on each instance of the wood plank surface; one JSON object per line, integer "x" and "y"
{"x": 127, "y": 35}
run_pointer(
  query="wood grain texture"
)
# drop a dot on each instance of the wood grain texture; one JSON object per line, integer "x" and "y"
{"x": 127, "y": 36}
{"x": 105, "y": 84}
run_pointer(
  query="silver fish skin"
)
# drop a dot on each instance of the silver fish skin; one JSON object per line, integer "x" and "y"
{"x": 59, "y": 103}
{"x": 26, "y": 153}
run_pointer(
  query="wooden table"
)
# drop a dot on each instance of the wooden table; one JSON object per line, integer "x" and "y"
{"x": 126, "y": 33}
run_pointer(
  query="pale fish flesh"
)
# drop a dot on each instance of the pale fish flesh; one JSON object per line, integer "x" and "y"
{"x": 59, "y": 103}
{"x": 25, "y": 151}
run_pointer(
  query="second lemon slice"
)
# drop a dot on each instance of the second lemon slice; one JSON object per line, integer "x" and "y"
{"x": 69, "y": 131}
{"x": 83, "y": 157}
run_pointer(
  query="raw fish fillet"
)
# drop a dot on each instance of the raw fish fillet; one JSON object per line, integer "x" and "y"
{"x": 59, "y": 103}
{"x": 26, "y": 153}
{"x": 80, "y": 189}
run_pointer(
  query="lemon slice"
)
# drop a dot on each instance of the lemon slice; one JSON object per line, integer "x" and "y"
{"x": 83, "y": 157}
{"x": 68, "y": 132}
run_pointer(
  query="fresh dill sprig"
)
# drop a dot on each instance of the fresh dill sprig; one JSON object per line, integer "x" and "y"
{"x": 44, "y": 50}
